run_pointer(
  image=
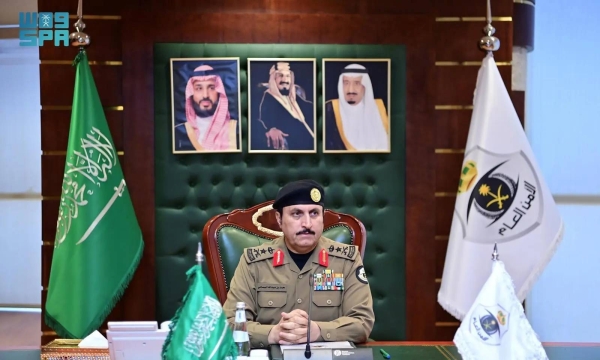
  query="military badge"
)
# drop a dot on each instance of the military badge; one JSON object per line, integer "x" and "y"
{"x": 278, "y": 258}
{"x": 328, "y": 280}
{"x": 361, "y": 275}
{"x": 250, "y": 254}
{"x": 324, "y": 258}
{"x": 315, "y": 195}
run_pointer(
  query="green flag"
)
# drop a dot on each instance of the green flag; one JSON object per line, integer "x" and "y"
{"x": 199, "y": 328}
{"x": 98, "y": 242}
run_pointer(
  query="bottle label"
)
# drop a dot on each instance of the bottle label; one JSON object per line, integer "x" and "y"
{"x": 240, "y": 316}
{"x": 240, "y": 336}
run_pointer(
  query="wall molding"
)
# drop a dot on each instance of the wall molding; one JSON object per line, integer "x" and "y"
{"x": 21, "y": 196}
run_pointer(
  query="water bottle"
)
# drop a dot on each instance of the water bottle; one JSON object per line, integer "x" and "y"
{"x": 240, "y": 330}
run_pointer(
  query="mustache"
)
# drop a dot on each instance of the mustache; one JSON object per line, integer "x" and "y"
{"x": 205, "y": 99}
{"x": 351, "y": 93}
{"x": 305, "y": 231}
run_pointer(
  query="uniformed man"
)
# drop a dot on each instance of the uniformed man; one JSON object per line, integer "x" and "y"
{"x": 273, "y": 279}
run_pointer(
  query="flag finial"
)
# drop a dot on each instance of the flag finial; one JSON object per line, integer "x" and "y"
{"x": 199, "y": 255}
{"x": 495, "y": 254}
{"x": 79, "y": 38}
{"x": 489, "y": 42}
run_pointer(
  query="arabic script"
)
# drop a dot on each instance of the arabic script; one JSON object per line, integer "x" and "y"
{"x": 88, "y": 167}
{"x": 520, "y": 211}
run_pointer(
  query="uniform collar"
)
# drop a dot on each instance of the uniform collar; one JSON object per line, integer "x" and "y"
{"x": 279, "y": 243}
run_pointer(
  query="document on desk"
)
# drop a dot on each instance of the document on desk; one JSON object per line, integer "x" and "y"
{"x": 319, "y": 345}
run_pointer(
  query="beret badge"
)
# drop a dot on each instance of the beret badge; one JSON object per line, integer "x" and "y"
{"x": 315, "y": 195}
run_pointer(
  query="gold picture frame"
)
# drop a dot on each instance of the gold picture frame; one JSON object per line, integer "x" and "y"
{"x": 357, "y": 97}
{"x": 206, "y": 111}
{"x": 282, "y": 112}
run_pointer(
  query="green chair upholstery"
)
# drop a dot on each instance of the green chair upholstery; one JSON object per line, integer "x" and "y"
{"x": 226, "y": 236}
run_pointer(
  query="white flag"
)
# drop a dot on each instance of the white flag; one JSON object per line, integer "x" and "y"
{"x": 502, "y": 198}
{"x": 495, "y": 327}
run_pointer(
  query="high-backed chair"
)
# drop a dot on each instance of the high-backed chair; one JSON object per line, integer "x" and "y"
{"x": 226, "y": 236}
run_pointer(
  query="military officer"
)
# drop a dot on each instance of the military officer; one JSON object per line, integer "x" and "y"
{"x": 273, "y": 279}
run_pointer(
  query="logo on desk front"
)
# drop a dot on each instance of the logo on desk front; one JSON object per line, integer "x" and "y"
{"x": 337, "y": 352}
{"x": 37, "y": 28}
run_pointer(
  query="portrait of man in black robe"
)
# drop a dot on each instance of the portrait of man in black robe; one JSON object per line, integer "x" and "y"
{"x": 282, "y": 116}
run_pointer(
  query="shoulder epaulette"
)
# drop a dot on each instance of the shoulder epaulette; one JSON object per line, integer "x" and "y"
{"x": 258, "y": 253}
{"x": 343, "y": 251}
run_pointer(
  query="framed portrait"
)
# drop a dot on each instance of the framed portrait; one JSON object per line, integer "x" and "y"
{"x": 356, "y": 105}
{"x": 205, "y": 105}
{"x": 282, "y": 105}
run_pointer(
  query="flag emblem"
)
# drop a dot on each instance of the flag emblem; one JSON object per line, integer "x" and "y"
{"x": 467, "y": 175}
{"x": 203, "y": 326}
{"x": 489, "y": 328}
{"x": 493, "y": 195}
{"x": 503, "y": 204}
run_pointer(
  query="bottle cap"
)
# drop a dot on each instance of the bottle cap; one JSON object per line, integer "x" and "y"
{"x": 240, "y": 304}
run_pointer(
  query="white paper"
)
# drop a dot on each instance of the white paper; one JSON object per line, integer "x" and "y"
{"x": 319, "y": 345}
{"x": 94, "y": 340}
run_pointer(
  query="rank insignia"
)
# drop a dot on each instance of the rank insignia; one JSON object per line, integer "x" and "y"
{"x": 324, "y": 258}
{"x": 278, "y": 258}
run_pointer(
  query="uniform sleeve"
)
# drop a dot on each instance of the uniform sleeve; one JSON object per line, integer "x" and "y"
{"x": 243, "y": 288}
{"x": 357, "y": 318}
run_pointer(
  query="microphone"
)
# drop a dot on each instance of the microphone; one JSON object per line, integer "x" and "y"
{"x": 307, "y": 352}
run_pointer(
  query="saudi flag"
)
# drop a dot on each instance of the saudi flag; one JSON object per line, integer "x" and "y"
{"x": 98, "y": 242}
{"x": 199, "y": 329}
{"x": 502, "y": 198}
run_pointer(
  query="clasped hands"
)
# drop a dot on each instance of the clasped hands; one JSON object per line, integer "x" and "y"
{"x": 293, "y": 329}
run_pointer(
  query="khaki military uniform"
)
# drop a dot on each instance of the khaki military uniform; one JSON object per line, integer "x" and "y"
{"x": 268, "y": 290}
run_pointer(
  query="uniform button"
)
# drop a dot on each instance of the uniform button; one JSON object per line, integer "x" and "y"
{"x": 270, "y": 303}
{"x": 299, "y": 301}
{"x": 328, "y": 335}
{"x": 328, "y": 302}
{"x": 299, "y": 276}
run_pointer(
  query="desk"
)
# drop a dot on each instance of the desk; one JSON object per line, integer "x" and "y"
{"x": 407, "y": 350}
{"x": 440, "y": 350}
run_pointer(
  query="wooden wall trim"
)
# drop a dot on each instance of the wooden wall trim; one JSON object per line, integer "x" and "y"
{"x": 138, "y": 134}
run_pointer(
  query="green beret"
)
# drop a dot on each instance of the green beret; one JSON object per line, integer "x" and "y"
{"x": 298, "y": 193}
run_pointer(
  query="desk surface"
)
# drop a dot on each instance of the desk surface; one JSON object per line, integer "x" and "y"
{"x": 405, "y": 350}
{"x": 447, "y": 351}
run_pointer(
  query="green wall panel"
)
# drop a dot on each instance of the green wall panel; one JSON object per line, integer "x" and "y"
{"x": 191, "y": 188}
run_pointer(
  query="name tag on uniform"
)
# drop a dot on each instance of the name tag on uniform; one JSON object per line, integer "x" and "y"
{"x": 271, "y": 287}
{"x": 328, "y": 280}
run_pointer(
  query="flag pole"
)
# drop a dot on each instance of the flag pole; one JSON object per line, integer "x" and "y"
{"x": 79, "y": 38}
{"x": 489, "y": 42}
{"x": 199, "y": 255}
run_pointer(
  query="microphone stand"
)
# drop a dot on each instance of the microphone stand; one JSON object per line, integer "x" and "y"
{"x": 307, "y": 352}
